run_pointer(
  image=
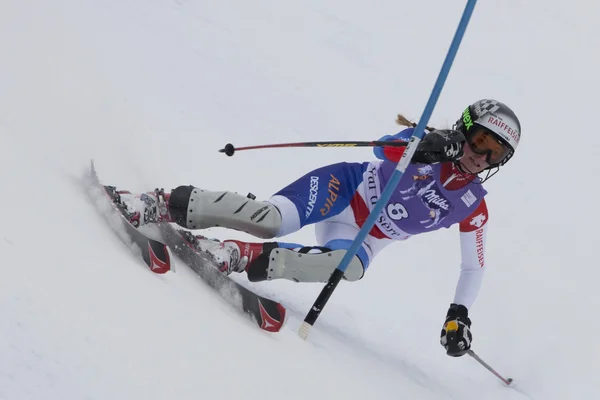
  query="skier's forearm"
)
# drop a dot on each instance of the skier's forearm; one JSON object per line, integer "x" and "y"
{"x": 467, "y": 288}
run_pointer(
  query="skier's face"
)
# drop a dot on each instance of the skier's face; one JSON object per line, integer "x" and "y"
{"x": 473, "y": 162}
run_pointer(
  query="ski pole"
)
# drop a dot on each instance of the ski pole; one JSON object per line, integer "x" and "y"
{"x": 229, "y": 149}
{"x": 418, "y": 134}
{"x": 492, "y": 370}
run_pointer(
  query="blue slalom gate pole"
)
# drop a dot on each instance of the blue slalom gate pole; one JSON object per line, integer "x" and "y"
{"x": 418, "y": 134}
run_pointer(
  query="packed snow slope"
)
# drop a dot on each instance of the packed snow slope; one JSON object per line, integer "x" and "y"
{"x": 151, "y": 89}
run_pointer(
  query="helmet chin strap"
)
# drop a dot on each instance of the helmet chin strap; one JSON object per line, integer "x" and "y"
{"x": 472, "y": 176}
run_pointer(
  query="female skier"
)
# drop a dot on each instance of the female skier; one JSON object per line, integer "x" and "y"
{"x": 440, "y": 188}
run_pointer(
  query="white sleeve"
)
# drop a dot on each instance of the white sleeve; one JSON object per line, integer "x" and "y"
{"x": 472, "y": 266}
{"x": 472, "y": 248}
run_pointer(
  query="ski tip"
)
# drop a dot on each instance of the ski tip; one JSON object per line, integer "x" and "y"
{"x": 304, "y": 329}
{"x": 509, "y": 381}
{"x": 159, "y": 260}
{"x": 271, "y": 323}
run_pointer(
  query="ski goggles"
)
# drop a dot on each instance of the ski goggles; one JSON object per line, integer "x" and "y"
{"x": 484, "y": 142}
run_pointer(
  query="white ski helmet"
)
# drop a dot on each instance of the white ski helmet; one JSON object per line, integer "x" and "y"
{"x": 495, "y": 117}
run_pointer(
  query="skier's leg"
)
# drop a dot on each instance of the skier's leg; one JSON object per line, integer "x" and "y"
{"x": 316, "y": 263}
{"x": 195, "y": 208}
{"x": 275, "y": 260}
{"x": 314, "y": 197}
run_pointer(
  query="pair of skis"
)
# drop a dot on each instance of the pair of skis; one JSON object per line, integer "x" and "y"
{"x": 268, "y": 314}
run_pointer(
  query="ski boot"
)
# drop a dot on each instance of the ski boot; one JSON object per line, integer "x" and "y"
{"x": 230, "y": 255}
{"x": 143, "y": 208}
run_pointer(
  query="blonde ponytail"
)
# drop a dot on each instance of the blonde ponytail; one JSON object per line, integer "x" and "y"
{"x": 403, "y": 121}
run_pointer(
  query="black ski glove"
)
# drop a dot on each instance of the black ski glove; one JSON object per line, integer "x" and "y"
{"x": 456, "y": 335}
{"x": 440, "y": 146}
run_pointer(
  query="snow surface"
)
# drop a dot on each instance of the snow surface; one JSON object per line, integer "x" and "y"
{"x": 151, "y": 89}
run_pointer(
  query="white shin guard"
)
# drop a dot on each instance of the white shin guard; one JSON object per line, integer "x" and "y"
{"x": 299, "y": 267}
{"x": 196, "y": 208}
